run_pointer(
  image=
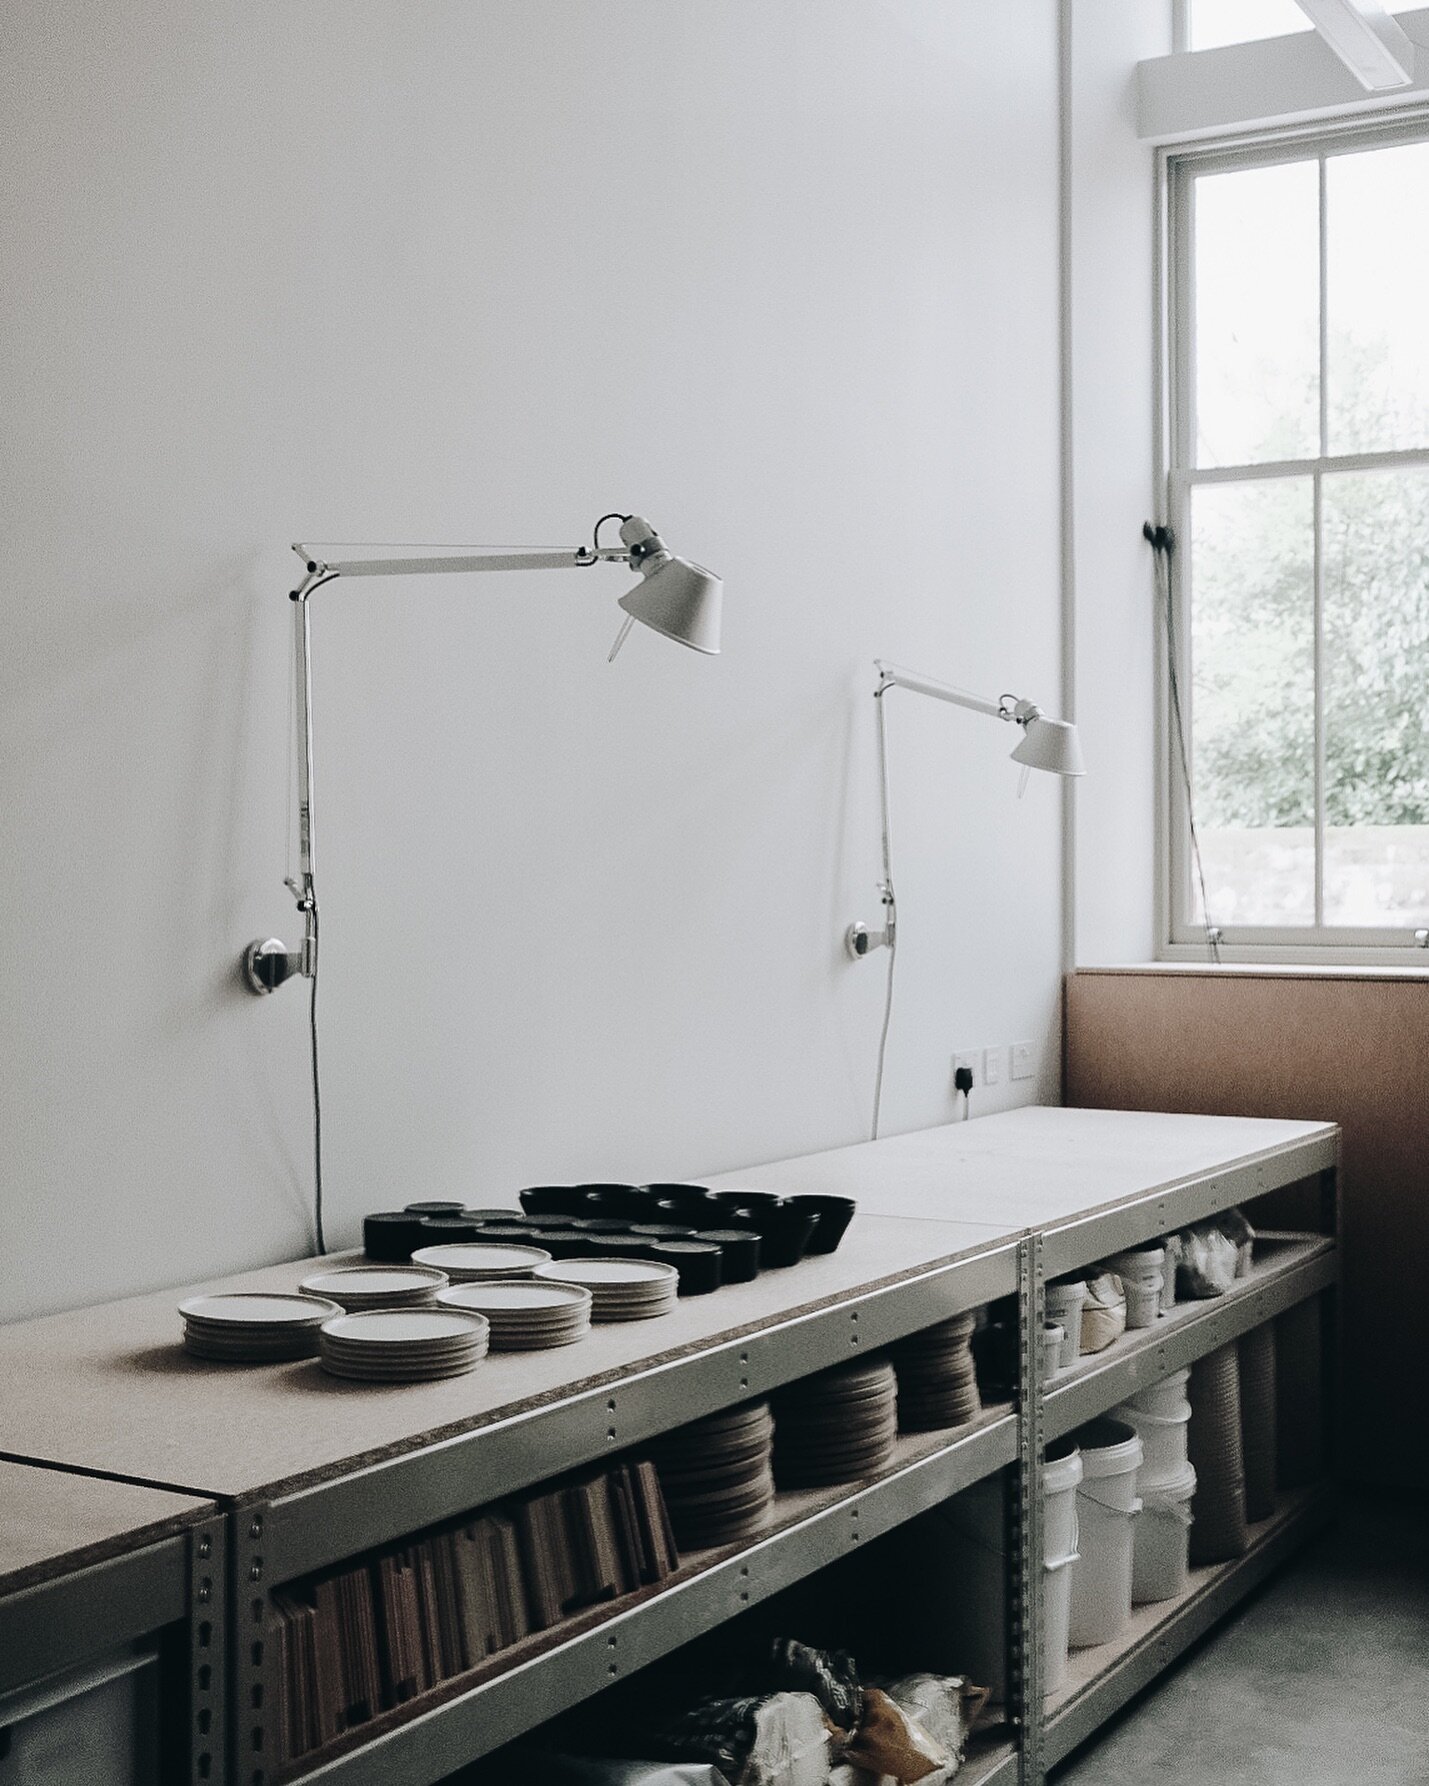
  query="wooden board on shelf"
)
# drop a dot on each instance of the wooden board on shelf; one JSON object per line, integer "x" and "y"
{"x": 110, "y": 1389}
{"x": 53, "y": 1522}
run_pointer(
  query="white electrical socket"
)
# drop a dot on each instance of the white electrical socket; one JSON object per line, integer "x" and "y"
{"x": 1024, "y": 1060}
{"x": 992, "y": 1066}
{"x": 970, "y": 1059}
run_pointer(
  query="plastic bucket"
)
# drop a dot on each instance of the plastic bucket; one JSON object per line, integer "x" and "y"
{"x": 1056, "y": 1620}
{"x": 1064, "y": 1309}
{"x": 1163, "y": 1443}
{"x": 1052, "y": 1338}
{"x": 1107, "y": 1507}
{"x": 1061, "y": 1477}
{"x": 1167, "y": 1398}
{"x": 1143, "y": 1277}
{"x": 1161, "y": 1549}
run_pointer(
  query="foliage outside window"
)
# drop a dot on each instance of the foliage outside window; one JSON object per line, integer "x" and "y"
{"x": 1299, "y": 497}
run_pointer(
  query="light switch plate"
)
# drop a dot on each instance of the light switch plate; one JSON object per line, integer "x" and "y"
{"x": 992, "y": 1059}
{"x": 1024, "y": 1060}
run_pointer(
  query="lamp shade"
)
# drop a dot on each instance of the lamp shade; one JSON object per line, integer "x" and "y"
{"x": 680, "y": 600}
{"x": 1050, "y": 744}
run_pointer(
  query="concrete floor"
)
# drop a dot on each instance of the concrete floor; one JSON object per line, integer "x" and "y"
{"x": 1322, "y": 1680}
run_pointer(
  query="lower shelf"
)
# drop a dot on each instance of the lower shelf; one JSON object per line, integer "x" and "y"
{"x": 1101, "y": 1680}
{"x": 472, "y": 1714}
{"x": 990, "y": 1760}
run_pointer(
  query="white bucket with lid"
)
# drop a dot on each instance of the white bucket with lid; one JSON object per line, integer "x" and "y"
{"x": 1064, "y": 1310}
{"x": 1052, "y": 1338}
{"x": 1057, "y": 1620}
{"x": 1162, "y": 1416}
{"x": 1107, "y": 1507}
{"x": 1167, "y": 1398}
{"x": 1161, "y": 1549}
{"x": 1061, "y": 1476}
{"x": 1143, "y": 1277}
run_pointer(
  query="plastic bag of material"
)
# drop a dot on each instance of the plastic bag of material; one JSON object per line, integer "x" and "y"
{"x": 581, "y": 1770}
{"x": 830, "y": 1675}
{"x": 779, "y": 1740}
{"x": 891, "y": 1745}
{"x": 1233, "y": 1224}
{"x": 945, "y": 1706}
{"x": 1209, "y": 1260}
{"x": 1103, "y": 1312}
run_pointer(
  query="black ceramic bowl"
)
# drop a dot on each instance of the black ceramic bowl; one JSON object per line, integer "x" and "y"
{"x": 502, "y": 1233}
{"x": 433, "y": 1208}
{"x": 662, "y": 1231}
{"x": 625, "y": 1200}
{"x": 552, "y": 1199}
{"x": 741, "y": 1247}
{"x": 735, "y": 1215}
{"x": 391, "y": 1236}
{"x": 603, "y": 1227}
{"x": 834, "y": 1213}
{"x": 443, "y": 1230}
{"x": 697, "y": 1261}
{"x": 682, "y": 1191}
{"x": 506, "y": 1214}
{"x": 785, "y": 1234}
{"x": 560, "y": 1243}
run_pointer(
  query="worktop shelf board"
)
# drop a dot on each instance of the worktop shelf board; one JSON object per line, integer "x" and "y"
{"x": 1289, "y": 1270}
{"x": 373, "y": 1505}
{"x": 424, "y": 1740}
{"x": 1104, "y": 1679}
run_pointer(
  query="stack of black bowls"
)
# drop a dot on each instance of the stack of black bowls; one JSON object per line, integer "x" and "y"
{"x": 712, "y": 1238}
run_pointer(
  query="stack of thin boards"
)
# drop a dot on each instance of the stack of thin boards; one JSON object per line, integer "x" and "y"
{"x": 359, "y": 1641}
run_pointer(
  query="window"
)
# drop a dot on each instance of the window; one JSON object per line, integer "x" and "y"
{"x": 1211, "y": 24}
{"x": 1299, "y": 501}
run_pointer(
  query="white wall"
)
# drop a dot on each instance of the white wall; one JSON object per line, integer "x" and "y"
{"x": 1113, "y": 371}
{"x": 781, "y": 276}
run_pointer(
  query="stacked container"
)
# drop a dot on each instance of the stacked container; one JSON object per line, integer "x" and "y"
{"x": 1143, "y": 1277}
{"x": 1107, "y": 1507}
{"x": 1161, "y": 1551}
{"x": 1064, "y": 1310}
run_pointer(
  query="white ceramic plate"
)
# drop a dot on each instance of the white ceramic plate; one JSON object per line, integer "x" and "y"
{"x": 470, "y": 1258}
{"x": 374, "y": 1281}
{"x": 599, "y": 1272}
{"x": 257, "y": 1308}
{"x": 518, "y": 1299}
{"x": 404, "y": 1327}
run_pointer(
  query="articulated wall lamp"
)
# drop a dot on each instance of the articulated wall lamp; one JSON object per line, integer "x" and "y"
{"x": 674, "y": 597}
{"x": 1050, "y": 744}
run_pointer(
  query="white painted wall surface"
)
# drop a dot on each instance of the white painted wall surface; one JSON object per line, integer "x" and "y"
{"x": 780, "y": 276}
{"x": 1113, "y": 371}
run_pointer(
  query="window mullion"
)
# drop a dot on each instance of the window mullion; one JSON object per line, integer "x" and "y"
{"x": 1319, "y": 551}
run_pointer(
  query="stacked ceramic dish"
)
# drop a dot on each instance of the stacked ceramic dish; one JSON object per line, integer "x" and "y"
{"x": 403, "y": 1345}
{"x": 359, "y": 1287}
{"x": 937, "y": 1380}
{"x": 525, "y": 1316}
{"x": 254, "y": 1327}
{"x": 478, "y": 1262}
{"x": 716, "y": 1476}
{"x": 621, "y": 1289}
{"x": 837, "y": 1426}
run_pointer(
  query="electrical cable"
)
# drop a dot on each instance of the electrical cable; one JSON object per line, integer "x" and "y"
{"x": 1161, "y": 541}
{"x": 890, "y": 908}
{"x": 320, "y": 1242}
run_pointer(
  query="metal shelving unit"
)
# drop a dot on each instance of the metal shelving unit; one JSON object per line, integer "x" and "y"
{"x": 169, "y": 1594}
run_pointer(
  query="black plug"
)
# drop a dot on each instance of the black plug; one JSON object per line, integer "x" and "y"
{"x": 963, "y": 1080}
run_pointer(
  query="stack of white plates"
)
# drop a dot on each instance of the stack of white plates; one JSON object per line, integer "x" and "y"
{"x": 621, "y": 1289}
{"x": 252, "y": 1327}
{"x": 479, "y": 1262}
{"x": 359, "y": 1287}
{"x": 403, "y": 1345}
{"x": 525, "y": 1316}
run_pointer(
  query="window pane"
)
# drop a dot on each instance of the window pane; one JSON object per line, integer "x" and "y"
{"x": 1217, "y": 22}
{"x": 1253, "y": 698}
{"x": 1376, "y": 677}
{"x": 1257, "y": 324}
{"x": 1377, "y": 297}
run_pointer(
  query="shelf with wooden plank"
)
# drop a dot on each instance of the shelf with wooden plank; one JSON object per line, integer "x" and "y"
{"x": 525, "y": 1685}
{"x": 1288, "y": 1269}
{"x": 1101, "y": 1680}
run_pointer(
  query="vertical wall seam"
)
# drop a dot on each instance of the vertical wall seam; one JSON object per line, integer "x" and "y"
{"x": 1066, "y": 478}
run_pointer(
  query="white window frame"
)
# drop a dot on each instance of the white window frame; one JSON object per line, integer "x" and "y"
{"x": 1176, "y": 476}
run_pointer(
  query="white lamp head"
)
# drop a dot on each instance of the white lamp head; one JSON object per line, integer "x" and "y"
{"x": 674, "y": 597}
{"x": 1050, "y": 744}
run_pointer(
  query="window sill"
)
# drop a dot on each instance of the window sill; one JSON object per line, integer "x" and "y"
{"x": 1187, "y": 958}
